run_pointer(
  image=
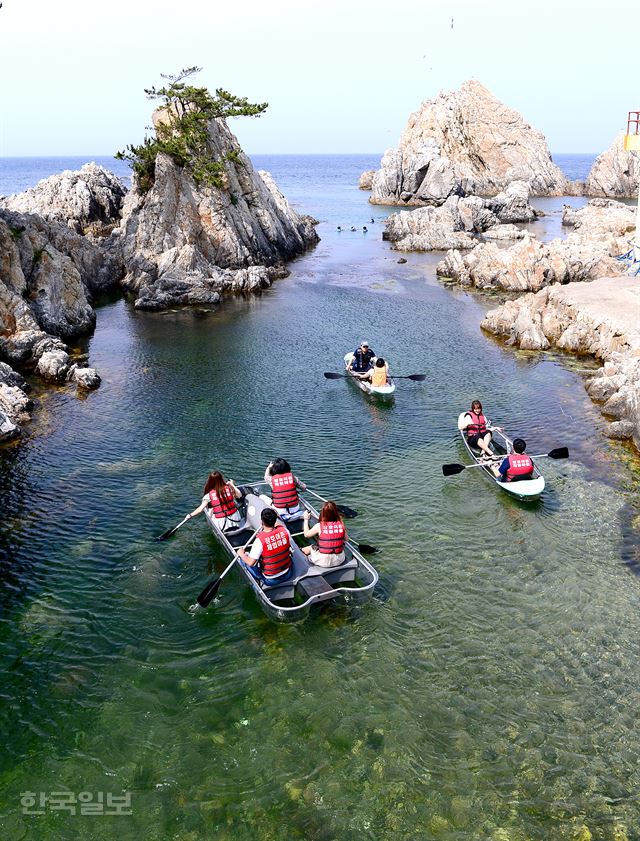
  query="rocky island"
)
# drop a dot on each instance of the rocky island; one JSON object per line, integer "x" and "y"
{"x": 198, "y": 222}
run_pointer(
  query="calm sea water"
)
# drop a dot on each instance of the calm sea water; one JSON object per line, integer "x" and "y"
{"x": 490, "y": 689}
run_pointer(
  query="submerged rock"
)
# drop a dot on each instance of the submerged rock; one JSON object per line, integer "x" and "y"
{"x": 614, "y": 173}
{"x": 462, "y": 143}
{"x": 187, "y": 244}
{"x": 87, "y": 201}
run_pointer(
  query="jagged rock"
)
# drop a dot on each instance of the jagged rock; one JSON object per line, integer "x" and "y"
{"x": 461, "y": 143}
{"x": 614, "y": 173}
{"x": 588, "y": 252}
{"x": 86, "y": 378}
{"x": 451, "y": 224}
{"x": 53, "y": 366}
{"x": 184, "y": 244}
{"x": 597, "y": 318}
{"x": 87, "y": 201}
{"x": 366, "y": 179}
{"x": 10, "y": 377}
{"x": 48, "y": 276}
{"x": 8, "y": 429}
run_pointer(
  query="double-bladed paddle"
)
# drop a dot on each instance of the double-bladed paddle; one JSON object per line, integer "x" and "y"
{"x": 454, "y": 469}
{"x": 347, "y": 512}
{"x": 209, "y": 592}
{"x": 330, "y": 375}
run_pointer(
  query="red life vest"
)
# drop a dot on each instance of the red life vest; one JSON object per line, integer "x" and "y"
{"x": 519, "y": 465}
{"x": 283, "y": 491}
{"x": 276, "y": 555}
{"x": 479, "y": 425}
{"x": 331, "y": 538}
{"x": 223, "y": 506}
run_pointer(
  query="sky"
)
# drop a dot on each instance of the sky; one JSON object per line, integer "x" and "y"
{"x": 339, "y": 75}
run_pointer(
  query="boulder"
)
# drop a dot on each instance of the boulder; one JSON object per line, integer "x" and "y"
{"x": 187, "y": 244}
{"x": 614, "y": 173}
{"x": 86, "y": 378}
{"x": 53, "y": 366}
{"x": 366, "y": 179}
{"x": 87, "y": 201}
{"x": 462, "y": 143}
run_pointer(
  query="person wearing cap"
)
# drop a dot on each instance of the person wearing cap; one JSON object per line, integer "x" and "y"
{"x": 362, "y": 361}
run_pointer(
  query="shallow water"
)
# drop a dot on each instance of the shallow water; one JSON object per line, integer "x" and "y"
{"x": 490, "y": 689}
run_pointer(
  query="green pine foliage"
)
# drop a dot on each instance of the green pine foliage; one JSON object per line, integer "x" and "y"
{"x": 184, "y": 136}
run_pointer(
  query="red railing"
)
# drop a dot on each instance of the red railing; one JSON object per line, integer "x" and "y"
{"x": 633, "y": 122}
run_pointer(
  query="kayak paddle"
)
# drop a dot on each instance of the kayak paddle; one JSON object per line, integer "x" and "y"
{"x": 169, "y": 532}
{"x": 417, "y": 377}
{"x": 347, "y": 512}
{"x": 209, "y": 592}
{"x": 454, "y": 469}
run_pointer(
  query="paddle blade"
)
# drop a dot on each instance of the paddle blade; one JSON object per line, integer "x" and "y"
{"x": 347, "y": 512}
{"x": 419, "y": 378}
{"x": 559, "y": 452}
{"x": 167, "y": 533}
{"x": 331, "y": 376}
{"x": 209, "y": 592}
{"x": 452, "y": 469}
{"x": 367, "y": 549}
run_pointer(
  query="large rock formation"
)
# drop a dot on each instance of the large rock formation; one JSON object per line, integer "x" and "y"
{"x": 48, "y": 278}
{"x": 453, "y": 224}
{"x": 462, "y": 143}
{"x": 601, "y": 231}
{"x": 598, "y": 318}
{"x": 615, "y": 173}
{"x": 184, "y": 244}
{"x": 87, "y": 201}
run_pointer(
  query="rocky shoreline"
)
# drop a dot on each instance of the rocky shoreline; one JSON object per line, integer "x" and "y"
{"x": 79, "y": 234}
{"x": 600, "y": 319}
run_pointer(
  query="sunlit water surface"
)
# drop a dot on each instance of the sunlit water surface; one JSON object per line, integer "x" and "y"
{"x": 489, "y": 690}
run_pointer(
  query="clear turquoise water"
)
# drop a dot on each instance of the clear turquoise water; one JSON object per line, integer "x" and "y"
{"x": 490, "y": 689}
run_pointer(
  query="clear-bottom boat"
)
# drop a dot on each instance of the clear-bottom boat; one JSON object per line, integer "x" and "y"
{"x": 364, "y": 385}
{"x": 350, "y": 583}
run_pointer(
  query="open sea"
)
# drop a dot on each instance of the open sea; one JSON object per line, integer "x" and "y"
{"x": 490, "y": 688}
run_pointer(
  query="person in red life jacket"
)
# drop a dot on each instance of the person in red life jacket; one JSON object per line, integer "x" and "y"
{"x": 284, "y": 488}
{"x": 517, "y": 465}
{"x": 477, "y": 428}
{"x": 221, "y": 496}
{"x": 269, "y": 559}
{"x": 331, "y": 534}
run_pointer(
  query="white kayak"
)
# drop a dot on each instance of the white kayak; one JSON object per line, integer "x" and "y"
{"x": 364, "y": 385}
{"x": 525, "y": 489}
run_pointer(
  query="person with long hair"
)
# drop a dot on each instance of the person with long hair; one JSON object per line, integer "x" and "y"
{"x": 284, "y": 488}
{"x": 221, "y": 495}
{"x": 331, "y": 535}
{"x": 477, "y": 428}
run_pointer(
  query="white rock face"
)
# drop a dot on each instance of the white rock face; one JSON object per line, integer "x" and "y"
{"x": 15, "y": 405}
{"x": 453, "y": 224}
{"x": 614, "y": 173}
{"x": 598, "y": 318}
{"x": 601, "y": 231}
{"x": 87, "y": 201}
{"x": 462, "y": 143}
{"x": 184, "y": 244}
{"x": 366, "y": 179}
